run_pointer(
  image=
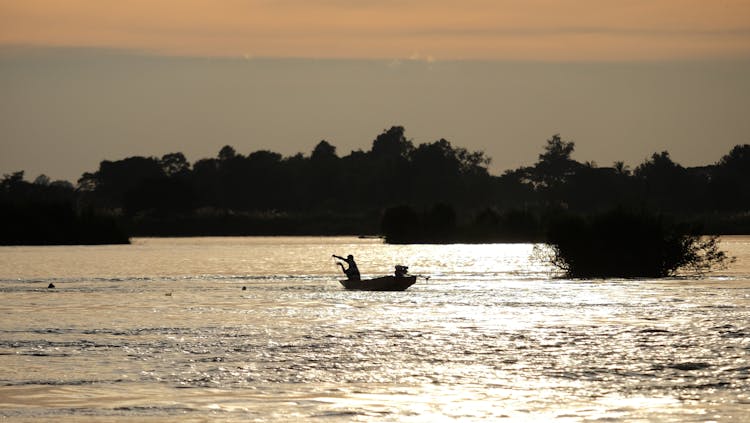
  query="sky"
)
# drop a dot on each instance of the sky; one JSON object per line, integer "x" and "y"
{"x": 87, "y": 80}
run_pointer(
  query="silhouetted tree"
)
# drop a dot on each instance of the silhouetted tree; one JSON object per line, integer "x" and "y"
{"x": 621, "y": 168}
{"x": 359, "y": 186}
{"x": 63, "y": 185}
{"x": 323, "y": 188}
{"x": 114, "y": 179}
{"x": 520, "y": 225}
{"x": 400, "y": 225}
{"x": 174, "y": 164}
{"x": 205, "y": 181}
{"x": 44, "y": 213}
{"x": 42, "y": 180}
{"x": 514, "y": 189}
{"x": 263, "y": 180}
{"x": 392, "y": 144}
{"x": 441, "y": 172}
{"x": 667, "y": 186}
{"x": 227, "y": 153}
{"x": 436, "y": 172}
{"x": 592, "y": 189}
{"x": 161, "y": 196}
{"x": 12, "y": 180}
{"x": 323, "y": 152}
{"x": 88, "y": 182}
{"x": 551, "y": 174}
{"x": 730, "y": 183}
{"x": 555, "y": 166}
{"x": 660, "y": 165}
{"x": 439, "y": 224}
{"x": 387, "y": 167}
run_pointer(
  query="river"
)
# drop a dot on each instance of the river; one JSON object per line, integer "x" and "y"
{"x": 259, "y": 329}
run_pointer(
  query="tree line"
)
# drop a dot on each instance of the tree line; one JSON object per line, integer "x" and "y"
{"x": 431, "y": 192}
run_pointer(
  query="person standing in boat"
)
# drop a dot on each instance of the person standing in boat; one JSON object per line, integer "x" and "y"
{"x": 351, "y": 272}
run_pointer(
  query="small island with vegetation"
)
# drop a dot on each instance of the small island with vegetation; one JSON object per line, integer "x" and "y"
{"x": 622, "y": 243}
{"x": 427, "y": 193}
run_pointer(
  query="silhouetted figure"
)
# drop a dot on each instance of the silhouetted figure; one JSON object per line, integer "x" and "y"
{"x": 351, "y": 272}
{"x": 401, "y": 271}
{"x": 51, "y": 286}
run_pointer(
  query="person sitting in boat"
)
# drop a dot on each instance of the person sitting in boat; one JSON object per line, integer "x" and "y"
{"x": 351, "y": 272}
{"x": 401, "y": 271}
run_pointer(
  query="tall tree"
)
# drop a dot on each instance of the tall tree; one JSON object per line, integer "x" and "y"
{"x": 730, "y": 185}
{"x": 323, "y": 151}
{"x": 392, "y": 144}
{"x": 174, "y": 164}
{"x": 227, "y": 153}
{"x": 667, "y": 185}
{"x": 555, "y": 165}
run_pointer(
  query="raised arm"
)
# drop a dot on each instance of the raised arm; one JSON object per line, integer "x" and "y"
{"x": 338, "y": 257}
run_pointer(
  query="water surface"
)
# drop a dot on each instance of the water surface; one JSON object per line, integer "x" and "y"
{"x": 162, "y": 330}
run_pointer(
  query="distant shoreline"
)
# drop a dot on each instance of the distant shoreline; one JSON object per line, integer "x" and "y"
{"x": 427, "y": 193}
{"x": 103, "y": 230}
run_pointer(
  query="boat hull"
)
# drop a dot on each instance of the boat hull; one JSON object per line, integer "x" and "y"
{"x": 383, "y": 283}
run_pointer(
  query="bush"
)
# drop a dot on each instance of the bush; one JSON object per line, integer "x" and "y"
{"x": 620, "y": 243}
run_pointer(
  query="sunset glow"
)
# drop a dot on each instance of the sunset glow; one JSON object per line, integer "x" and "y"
{"x": 599, "y": 30}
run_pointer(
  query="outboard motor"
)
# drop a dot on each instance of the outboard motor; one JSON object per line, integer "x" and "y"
{"x": 401, "y": 271}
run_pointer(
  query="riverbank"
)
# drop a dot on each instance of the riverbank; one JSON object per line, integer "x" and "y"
{"x": 60, "y": 224}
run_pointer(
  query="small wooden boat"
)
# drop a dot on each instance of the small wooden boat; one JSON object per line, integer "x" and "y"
{"x": 383, "y": 283}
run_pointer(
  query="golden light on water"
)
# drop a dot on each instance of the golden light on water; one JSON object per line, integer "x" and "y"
{"x": 490, "y": 336}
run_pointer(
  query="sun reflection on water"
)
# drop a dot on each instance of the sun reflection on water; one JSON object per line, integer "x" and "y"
{"x": 491, "y": 335}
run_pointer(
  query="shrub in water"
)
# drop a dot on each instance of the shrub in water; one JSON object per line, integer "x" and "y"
{"x": 620, "y": 243}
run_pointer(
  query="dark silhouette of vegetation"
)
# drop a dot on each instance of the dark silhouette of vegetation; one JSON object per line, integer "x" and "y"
{"x": 43, "y": 213}
{"x": 402, "y": 225}
{"x": 621, "y": 243}
{"x": 431, "y": 192}
{"x": 438, "y": 225}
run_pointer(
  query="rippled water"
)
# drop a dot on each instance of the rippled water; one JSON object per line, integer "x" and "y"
{"x": 162, "y": 330}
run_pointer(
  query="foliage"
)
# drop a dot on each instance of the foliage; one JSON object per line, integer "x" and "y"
{"x": 395, "y": 171}
{"x": 439, "y": 224}
{"x": 555, "y": 165}
{"x": 620, "y": 243}
{"x": 44, "y": 213}
{"x": 730, "y": 181}
{"x": 400, "y": 225}
{"x": 392, "y": 144}
{"x": 515, "y": 206}
{"x": 174, "y": 164}
{"x": 323, "y": 151}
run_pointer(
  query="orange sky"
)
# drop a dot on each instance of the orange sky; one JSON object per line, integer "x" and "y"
{"x": 590, "y": 30}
